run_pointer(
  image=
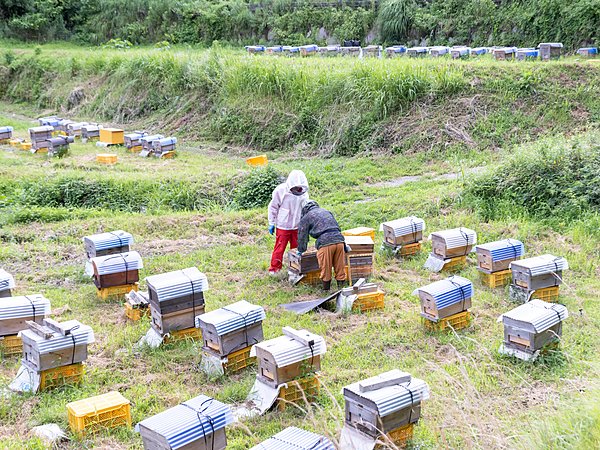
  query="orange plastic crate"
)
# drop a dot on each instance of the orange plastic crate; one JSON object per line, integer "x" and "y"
{"x": 105, "y": 293}
{"x": 61, "y": 376}
{"x": 181, "y": 335}
{"x": 457, "y": 322}
{"x": 94, "y": 414}
{"x": 400, "y": 437}
{"x": 238, "y": 360}
{"x": 496, "y": 279}
{"x": 11, "y": 345}
{"x": 369, "y": 302}
{"x": 135, "y": 314}
{"x": 297, "y": 390}
{"x": 360, "y": 231}
{"x": 256, "y": 161}
{"x": 113, "y": 136}
{"x": 549, "y": 294}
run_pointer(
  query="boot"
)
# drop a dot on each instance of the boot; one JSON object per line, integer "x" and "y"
{"x": 341, "y": 284}
{"x": 326, "y": 285}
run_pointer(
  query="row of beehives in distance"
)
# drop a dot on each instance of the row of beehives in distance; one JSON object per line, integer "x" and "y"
{"x": 545, "y": 51}
{"x": 54, "y": 135}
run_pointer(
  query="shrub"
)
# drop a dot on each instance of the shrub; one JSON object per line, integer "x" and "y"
{"x": 256, "y": 189}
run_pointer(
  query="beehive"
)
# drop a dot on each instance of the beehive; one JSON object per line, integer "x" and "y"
{"x": 231, "y": 328}
{"x": 408, "y": 230}
{"x": 382, "y": 404}
{"x": 197, "y": 424}
{"x": 296, "y": 439}
{"x": 134, "y": 140}
{"x": 504, "y": 53}
{"x": 453, "y": 243}
{"x": 538, "y": 272}
{"x": 395, "y": 51}
{"x": 438, "y": 51}
{"x": 417, "y": 51}
{"x": 309, "y": 50}
{"x": 589, "y": 52}
{"x": 15, "y": 312}
{"x": 106, "y": 158}
{"x": 165, "y": 147}
{"x": 110, "y": 243}
{"x": 5, "y": 134}
{"x": 496, "y": 256}
{"x": 295, "y": 354}
{"x": 260, "y": 160}
{"x": 330, "y": 50}
{"x": 112, "y": 136}
{"x": 445, "y": 298}
{"x": 252, "y": 49}
{"x": 527, "y": 53}
{"x": 39, "y": 136}
{"x": 460, "y": 52}
{"x": 116, "y": 270}
{"x": 148, "y": 143}
{"x": 94, "y": 414}
{"x": 59, "y": 145}
{"x": 371, "y": 51}
{"x": 75, "y": 128}
{"x": 90, "y": 132}
{"x": 550, "y": 50}
{"x": 52, "y": 121}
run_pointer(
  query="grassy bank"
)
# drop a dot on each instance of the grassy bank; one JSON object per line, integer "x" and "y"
{"x": 308, "y": 106}
{"x": 479, "y": 399}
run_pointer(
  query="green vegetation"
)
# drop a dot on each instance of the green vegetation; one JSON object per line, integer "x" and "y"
{"x": 327, "y": 106}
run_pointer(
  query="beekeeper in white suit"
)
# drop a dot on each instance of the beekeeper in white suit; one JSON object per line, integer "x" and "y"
{"x": 284, "y": 215}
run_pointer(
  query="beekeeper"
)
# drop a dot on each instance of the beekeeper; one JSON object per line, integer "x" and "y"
{"x": 320, "y": 224}
{"x": 284, "y": 215}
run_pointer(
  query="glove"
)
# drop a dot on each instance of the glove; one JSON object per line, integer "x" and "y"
{"x": 271, "y": 229}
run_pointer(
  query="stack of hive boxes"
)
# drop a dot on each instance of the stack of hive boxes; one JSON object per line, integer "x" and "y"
{"x": 494, "y": 259}
{"x": 589, "y": 52}
{"x": 550, "y": 50}
{"x": 305, "y": 268}
{"x": 360, "y": 258}
{"x": 289, "y": 365}
{"x": 531, "y": 327}
{"x": 403, "y": 236}
{"x": 229, "y": 333}
{"x": 417, "y": 51}
{"x": 52, "y": 121}
{"x": 75, "y": 129}
{"x": 165, "y": 147}
{"x": 293, "y": 438}
{"x": 395, "y": 51}
{"x": 53, "y": 353}
{"x": 133, "y": 141}
{"x": 116, "y": 274}
{"x": 371, "y": 51}
{"x": 90, "y": 132}
{"x": 5, "y": 134}
{"x": 460, "y": 51}
{"x": 537, "y": 277}
{"x": 362, "y": 297}
{"x": 176, "y": 298}
{"x": 147, "y": 143}
{"x": 7, "y": 282}
{"x": 39, "y": 138}
{"x": 97, "y": 413}
{"x": 59, "y": 145}
{"x": 61, "y": 127}
{"x": 198, "y": 424}
{"x": 438, "y": 51}
{"x": 386, "y": 405}
{"x": 527, "y": 53}
{"x": 446, "y": 303}
{"x": 449, "y": 248}
{"x": 504, "y": 53}
{"x": 15, "y": 312}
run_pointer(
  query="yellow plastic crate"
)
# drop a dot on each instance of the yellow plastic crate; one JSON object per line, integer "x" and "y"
{"x": 136, "y": 314}
{"x": 135, "y": 149}
{"x": 106, "y": 158}
{"x": 297, "y": 390}
{"x": 61, "y": 376}
{"x": 410, "y": 249}
{"x": 311, "y": 278}
{"x": 15, "y": 142}
{"x": 360, "y": 231}
{"x": 369, "y": 302}
{"x": 113, "y": 291}
{"x": 549, "y": 294}
{"x": 455, "y": 263}
{"x": 4, "y": 141}
{"x": 496, "y": 279}
{"x": 113, "y": 136}
{"x": 255, "y": 161}
{"x": 168, "y": 155}
{"x": 400, "y": 437}
{"x": 238, "y": 360}
{"x": 26, "y": 146}
{"x": 457, "y": 321}
{"x": 181, "y": 335}
{"x": 11, "y": 345}
{"x": 97, "y": 413}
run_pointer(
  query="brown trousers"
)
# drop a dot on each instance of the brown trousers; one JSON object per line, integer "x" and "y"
{"x": 332, "y": 256}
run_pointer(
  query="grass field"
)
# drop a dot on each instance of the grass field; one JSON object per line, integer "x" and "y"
{"x": 478, "y": 398}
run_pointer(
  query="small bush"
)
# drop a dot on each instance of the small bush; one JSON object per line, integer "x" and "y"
{"x": 256, "y": 189}
{"x": 121, "y": 44}
{"x": 554, "y": 180}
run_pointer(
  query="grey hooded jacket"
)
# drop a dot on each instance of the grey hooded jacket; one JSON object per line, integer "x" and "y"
{"x": 319, "y": 224}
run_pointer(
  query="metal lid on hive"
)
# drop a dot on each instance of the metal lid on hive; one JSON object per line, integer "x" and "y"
{"x": 541, "y": 265}
{"x": 110, "y": 239}
{"x": 233, "y": 317}
{"x": 76, "y": 334}
{"x": 405, "y": 225}
{"x": 293, "y": 438}
{"x": 178, "y": 283}
{"x": 120, "y": 262}
{"x": 449, "y": 291}
{"x": 391, "y": 391}
{"x": 7, "y": 281}
{"x": 294, "y": 346}
{"x": 456, "y": 237}
{"x": 503, "y": 249}
{"x": 24, "y": 306}
{"x": 535, "y": 315}
{"x": 190, "y": 421}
